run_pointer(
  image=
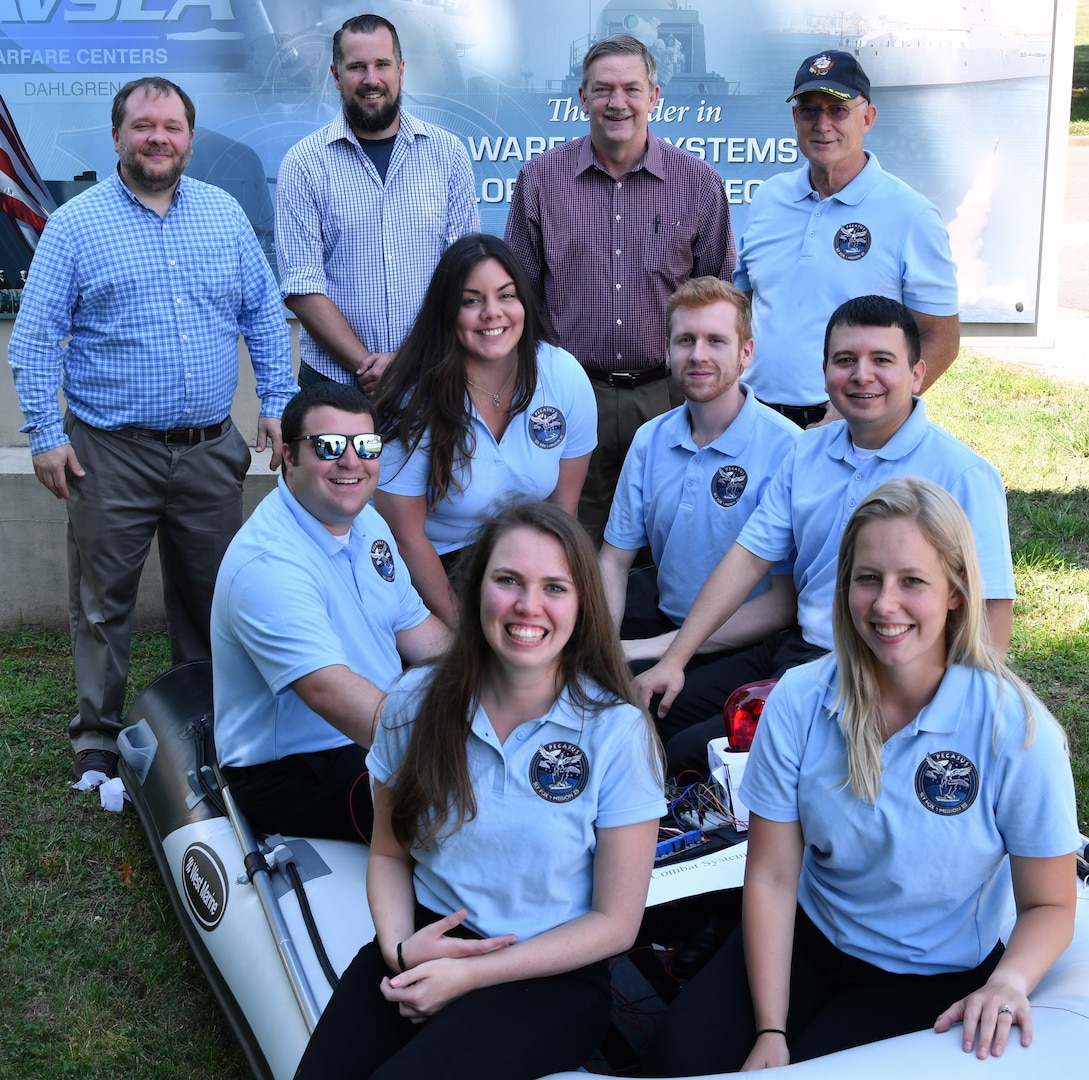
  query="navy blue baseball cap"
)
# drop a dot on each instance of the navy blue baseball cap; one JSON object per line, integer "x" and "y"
{"x": 831, "y": 72}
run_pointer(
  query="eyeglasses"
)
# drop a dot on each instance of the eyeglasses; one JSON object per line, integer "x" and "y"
{"x": 329, "y": 447}
{"x": 810, "y": 114}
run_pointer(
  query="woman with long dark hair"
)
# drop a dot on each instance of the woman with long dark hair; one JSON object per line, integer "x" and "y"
{"x": 517, "y": 790}
{"x": 479, "y": 405}
{"x": 906, "y": 792}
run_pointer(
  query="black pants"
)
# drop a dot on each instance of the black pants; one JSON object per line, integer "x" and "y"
{"x": 513, "y": 1031}
{"x": 325, "y": 794}
{"x": 836, "y": 1001}
{"x": 696, "y": 716}
{"x": 308, "y": 376}
{"x": 802, "y": 415}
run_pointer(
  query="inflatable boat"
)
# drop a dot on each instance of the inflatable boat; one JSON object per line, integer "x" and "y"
{"x": 273, "y": 921}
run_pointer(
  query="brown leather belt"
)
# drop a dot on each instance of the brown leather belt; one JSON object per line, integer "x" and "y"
{"x": 180, "y": 436}
{"x": 620, "y": 379}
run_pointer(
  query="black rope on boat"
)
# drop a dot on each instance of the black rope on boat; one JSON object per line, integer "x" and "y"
{"x": 311, "y": 926}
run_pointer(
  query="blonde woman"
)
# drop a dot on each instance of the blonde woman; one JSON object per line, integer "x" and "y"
{"x": 899, "y": 787}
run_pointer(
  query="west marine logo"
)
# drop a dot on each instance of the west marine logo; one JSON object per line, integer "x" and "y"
{"x": 382, "y": 558}
{"x": 547, "y": 427}
{"x": 204, "y": 882}
{"x": 946, "y": 783}
{"x": 135, "y": 11}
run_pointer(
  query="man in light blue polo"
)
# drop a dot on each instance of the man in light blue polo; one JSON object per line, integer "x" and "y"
{"x": 873, "y": 373}
{"x": 313, "y": 616}
{"x": 689, "y": 483}
{"x": 838, "y": 227}
{"x": 365, "y": 207}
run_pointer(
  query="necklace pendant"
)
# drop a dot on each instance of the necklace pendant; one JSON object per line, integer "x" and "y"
{"x": 495, "y": 400}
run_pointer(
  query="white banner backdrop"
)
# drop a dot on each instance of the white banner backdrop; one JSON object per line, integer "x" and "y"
{"x": 962, "y": 92}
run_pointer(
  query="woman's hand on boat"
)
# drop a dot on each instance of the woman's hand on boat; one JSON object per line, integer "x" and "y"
{"x": 1045, "y": 892}
{"x": 768, "y": 1052}
{"x": 988, "y": 1014}
{"x": 433, "y": 942}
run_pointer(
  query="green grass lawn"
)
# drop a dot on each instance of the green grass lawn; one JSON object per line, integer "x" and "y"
{"x": 1079, "y": 97}
{"x": 1036, "y": 432}
{"x": 96, "y": 981}
{"x": 95, "y": 978}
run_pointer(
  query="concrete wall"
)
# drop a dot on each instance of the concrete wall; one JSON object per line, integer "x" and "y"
{"x": 33, "y": 525}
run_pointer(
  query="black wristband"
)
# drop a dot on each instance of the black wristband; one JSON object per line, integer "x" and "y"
{"x": 762, "y": 1031}
{"x": 401, "y": 956}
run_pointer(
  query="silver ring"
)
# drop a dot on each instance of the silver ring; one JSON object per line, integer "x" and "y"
{"x": 1005, "y": 1009}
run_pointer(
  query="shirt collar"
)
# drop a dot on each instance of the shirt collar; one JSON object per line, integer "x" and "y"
{"x": 125, "y": 190}
{"x": 943, "y": 712}
{"x": 651, "y": 161}
{"x": 738, "y": 435}
{"x": 569, "y": 714}
{"x": 946, "y": 708}
{"x": 565, "y": 713}
{"x": 325, "y": 540}
{"x": 731, "y": 442}
{"x": 852, "y": 194}
{"x": 861, "y": 185}
{"x": 906, "y": 439}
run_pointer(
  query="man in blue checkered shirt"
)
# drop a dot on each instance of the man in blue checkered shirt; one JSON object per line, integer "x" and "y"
{"x": 151, "y": 276}
{"x": 365, "y": 208}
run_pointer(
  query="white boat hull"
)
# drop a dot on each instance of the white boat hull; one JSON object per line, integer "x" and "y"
{"x": 218, "y": 907}
{"x": 243, "y": 956}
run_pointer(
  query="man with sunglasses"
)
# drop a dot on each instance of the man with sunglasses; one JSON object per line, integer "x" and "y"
{"x": 314, "y": 616}
{"x": 838, "y": 227}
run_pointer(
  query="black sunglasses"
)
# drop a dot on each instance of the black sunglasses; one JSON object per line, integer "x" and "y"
{"x": 329, "y": 447}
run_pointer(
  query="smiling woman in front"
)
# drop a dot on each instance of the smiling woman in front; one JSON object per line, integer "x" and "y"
{"x": 898, "y": 787}
{"x": 517, "y": 795}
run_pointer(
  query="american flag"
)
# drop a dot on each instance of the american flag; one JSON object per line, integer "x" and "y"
{"x": 23, "y": 196}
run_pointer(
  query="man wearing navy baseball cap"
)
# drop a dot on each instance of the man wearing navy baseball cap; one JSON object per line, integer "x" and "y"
{"x": 836, "y": 228}
{"x": 835, "y": 73}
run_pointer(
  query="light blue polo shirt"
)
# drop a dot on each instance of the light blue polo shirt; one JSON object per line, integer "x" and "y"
{"x": 801, "y": 257}
{"x": 811, "y": 498}
{"x": 689, "y": 502}
{"x": 918, "y": 883}
{"x": 525, "y": 863}
{"x": 290, "y": 599}
{"x": 561, "y": 422}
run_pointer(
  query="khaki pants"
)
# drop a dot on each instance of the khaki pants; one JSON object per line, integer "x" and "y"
{"x": 620, "y": 413}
